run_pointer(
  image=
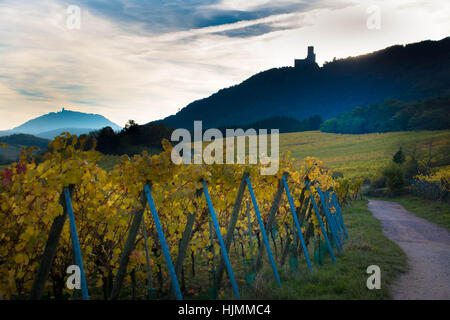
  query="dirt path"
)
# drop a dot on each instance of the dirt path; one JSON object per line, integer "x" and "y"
{"x": 427, "y": 247}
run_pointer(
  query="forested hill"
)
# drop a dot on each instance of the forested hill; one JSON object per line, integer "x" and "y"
{"x": 393, "y": 115}
{"x": 408, "y": 73}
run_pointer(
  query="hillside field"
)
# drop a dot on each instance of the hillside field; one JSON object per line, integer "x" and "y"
{"x": 355, "y": 155}
{"x": 361, "y": 155}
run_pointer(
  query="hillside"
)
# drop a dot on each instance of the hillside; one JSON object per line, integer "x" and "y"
{"x": 407, "y": 73}
{"x": 361, "y": 155}
{"x": 53, "y": 123}
{"x": 356, "y": 155}
{"x": 15, "y": 143}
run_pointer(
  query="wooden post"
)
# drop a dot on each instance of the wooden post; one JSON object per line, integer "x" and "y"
{"x": 286, "y": 245}
{"x": 187, "y": 235}
{"x": 49, "y": 253}
{"x": 129, "y": 246}
{"x": 300, "y": 212}
{"x": 150, "y": 289}
{"x": 346, "y": 193}
{"x": 270, "y": 220}
{"x": 230, "y": 230}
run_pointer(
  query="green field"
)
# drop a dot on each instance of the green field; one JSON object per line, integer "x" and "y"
{"x": 363, "y": 154}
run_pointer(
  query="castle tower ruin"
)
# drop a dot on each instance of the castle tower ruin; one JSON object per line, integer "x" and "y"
{"x": 310, "y": 60}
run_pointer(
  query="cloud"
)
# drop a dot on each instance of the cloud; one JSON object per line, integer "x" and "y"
{"x": 158, "y": 16}
{"x": 251, "y": 5}
{"x": 126, "y": 63}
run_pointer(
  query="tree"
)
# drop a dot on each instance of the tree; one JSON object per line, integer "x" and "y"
{"x": 395, "y": 177}
{"x": 399, "y": 157}
{"x": 106, "y": 140}
{"x": 412, "y": 166}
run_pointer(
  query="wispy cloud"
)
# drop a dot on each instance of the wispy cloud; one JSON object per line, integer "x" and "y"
{"x": 146, "y": 59}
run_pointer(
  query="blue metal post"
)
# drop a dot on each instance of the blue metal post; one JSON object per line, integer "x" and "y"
{"x": 330, "y": 220}
{"x": 337, "y": 223}
{"x": 264, "y": 234}
{"x": 321, "y": 223}
{"x": 334, "y": 215}
{"x": 222, "y": 244}
{"x": 162, "y": 239}
{"x": 339, "y": 212}
{"x": 297, "y": 224}
{"x": 337, "y": 227}
{"x": 76, "y": 243}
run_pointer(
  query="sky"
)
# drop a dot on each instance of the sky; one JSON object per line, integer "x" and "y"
{"x": 146, "y": 59}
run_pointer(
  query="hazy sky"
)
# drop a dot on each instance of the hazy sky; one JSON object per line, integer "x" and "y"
{"x": 143, "y": 60}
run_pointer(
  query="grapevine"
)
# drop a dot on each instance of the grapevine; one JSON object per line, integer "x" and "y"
{"x": 104, "y": 204}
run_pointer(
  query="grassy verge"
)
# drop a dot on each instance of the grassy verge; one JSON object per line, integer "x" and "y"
{"x": 434, "y": 211}
{"x": 347, "y": 279}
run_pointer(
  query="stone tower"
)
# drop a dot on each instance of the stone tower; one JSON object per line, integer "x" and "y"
{"x": 311, "y": 55}
{"x": 310, "y": 60}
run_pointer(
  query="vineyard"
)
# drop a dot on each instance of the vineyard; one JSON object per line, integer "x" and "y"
{"x": 435, "y": 186}
{"x": 363, "y": 155}
{"x": 207, "y": 218}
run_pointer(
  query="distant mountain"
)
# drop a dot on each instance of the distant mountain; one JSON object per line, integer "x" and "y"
{"x": 408, "y": 73}
{"x": 54, "y": 123}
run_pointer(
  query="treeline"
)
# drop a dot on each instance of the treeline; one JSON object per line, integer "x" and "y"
{"x": 393, "y": 115}
{"x": 132, "y": 139}
{"x": 283, "y": 123}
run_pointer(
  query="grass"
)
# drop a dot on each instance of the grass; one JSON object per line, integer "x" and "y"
{"x": 347, "y": 279}
{"x": 434, "y": 211}
{"x": 364, "y": 154}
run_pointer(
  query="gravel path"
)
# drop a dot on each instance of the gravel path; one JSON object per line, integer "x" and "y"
{"x": 427, "y": 247}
